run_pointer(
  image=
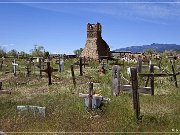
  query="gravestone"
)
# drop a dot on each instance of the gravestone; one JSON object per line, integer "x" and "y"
{"x": 116, "y": 80}
{"x": 33, "y": 109}
{"x": 139, "y": 65}
{"x": 61, "y": 65}
{"x": 92, "y": 100}
{"x": 14, "y": 66}
{"x": 103, "y": 67}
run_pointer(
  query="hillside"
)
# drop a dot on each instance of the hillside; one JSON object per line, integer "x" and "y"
{"x": 154, "y": 46}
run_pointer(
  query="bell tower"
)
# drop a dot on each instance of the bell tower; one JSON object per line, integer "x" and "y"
{"x": 94, "y": 30}
{"x": 95, "y": 46}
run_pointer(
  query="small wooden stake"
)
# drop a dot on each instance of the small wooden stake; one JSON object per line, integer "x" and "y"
{"x": 174, "y": 75}
{"x": 90, "y": 95}
{"x": 73, "y": 76}
{"x": 152, "y": 79}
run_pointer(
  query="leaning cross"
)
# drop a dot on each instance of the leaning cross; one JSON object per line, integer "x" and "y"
{"x": 14, "y": 66}
{"x": 49, "y": 71}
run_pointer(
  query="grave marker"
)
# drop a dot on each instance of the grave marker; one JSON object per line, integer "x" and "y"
{"x": 139, "y": 65}
{"x": 40, "y": 60}
{"x": 28, "y": 67}
{"x": 49, "y": 71}
{"x": 136, "y": 104}
{"x": 174, "y": 74}
{"x": 14, "y": 66}
{"x": 92, "y": 100}
{"x": 116, "y": 80}
{"x": 80, "y": 65}
{"x": 73, "y": 76}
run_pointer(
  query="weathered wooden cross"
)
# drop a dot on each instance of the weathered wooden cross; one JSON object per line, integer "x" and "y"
{"x": 80, "y": 63}
{"x": 14, "y": 66}
{"x": 73, "y": 76}
{"x": 49, "y": 71}
{"x": 92, "y": 100}
{"x": 151, "y": 75}
{"x": 136, "y": 104}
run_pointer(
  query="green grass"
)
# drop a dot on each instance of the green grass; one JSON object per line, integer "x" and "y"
{"x": 65, "y": 112}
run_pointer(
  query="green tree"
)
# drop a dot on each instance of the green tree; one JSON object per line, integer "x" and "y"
{"x": 38, "y": 51}
{"x": 46, "y": 54}
{"x": 2, "y": 52}
{"x": 78, "y": 52}
{"x": 13, "y": 53}
{"x": 23, "y": 55}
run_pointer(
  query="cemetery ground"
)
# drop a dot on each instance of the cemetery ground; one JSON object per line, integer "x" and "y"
{"x": 65, "y": 110}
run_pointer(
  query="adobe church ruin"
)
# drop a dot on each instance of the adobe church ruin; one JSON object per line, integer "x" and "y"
{"x": 95, "y": 45}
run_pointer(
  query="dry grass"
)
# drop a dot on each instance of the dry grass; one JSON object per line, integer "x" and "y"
{"x": 65, "y": 112}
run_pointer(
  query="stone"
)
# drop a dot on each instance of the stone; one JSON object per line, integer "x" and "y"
{"x": 95, "y": 46}
{"x": 35, "y": 109}
{"x": 116, "y": 80}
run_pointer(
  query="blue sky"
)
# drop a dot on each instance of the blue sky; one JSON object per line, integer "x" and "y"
{"x": 61, "y": 27}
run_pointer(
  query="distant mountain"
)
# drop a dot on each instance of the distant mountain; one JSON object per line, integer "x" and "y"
{"x": 154, "y": 46}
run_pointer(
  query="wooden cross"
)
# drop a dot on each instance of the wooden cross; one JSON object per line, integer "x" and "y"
{"x": 91, "y": 100}
{"x": 135, "y": 89}
{"x": 152, "y": 75}
{"x": 49, "y": 71}
{"x": 14, "y": 66}
{"x": 136, "y": 104}
{"x": 80, "y": 65}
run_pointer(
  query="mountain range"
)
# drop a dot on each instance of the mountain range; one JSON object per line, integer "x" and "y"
{"x": 155, "y": 46}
